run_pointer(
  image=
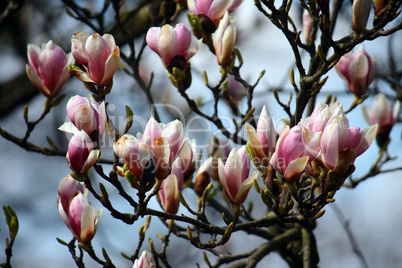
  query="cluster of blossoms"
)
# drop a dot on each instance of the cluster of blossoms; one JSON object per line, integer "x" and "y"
{"x": 76, "y": 210}
{"x": 325, "y": 137}
{"x": 162, "y": 155}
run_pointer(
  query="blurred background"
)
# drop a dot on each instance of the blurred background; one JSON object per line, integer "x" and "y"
{"x": 29, "y": 181}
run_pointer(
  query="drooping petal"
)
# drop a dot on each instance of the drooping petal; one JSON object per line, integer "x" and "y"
{"x": 295, "y": 168}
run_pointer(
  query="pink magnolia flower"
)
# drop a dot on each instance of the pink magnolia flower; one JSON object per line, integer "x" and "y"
{"x": 169, "y": 42}
{"x": 165, "y": 141}
{"x": 48, "y": 68}
{"x": 234, "y": 175}
{"x": 85, "y": 114}
{"x": 170, "y": 188}
{"x": 145, "y": 261}
{"x": 360, "y": 14}
{"x": 217, "y": 148}
{"x": 98, "y": 54}
{"x": 383, "y": 114}
{"x": 187, "y": 158}
{"x": 213, "y": 9}
{"x": 202, "y": 178}
{"x": 236, "y": 90}
{"x": 262, "y": 140}
{"x": 169, "y": 194}
{"x": 307, "y": 25}
{"x": 225, "y": 38}
{"x": 83, "y": 219}
{"x": 81, "y": 155}
{"x": 295, "y": 148}
{"x": 139, "y": 158}
{"x": 341, "y": 144}
{"x": 321, "y": 114}
{"x": 358, "y": 71}
{"x": 67, "y": 189}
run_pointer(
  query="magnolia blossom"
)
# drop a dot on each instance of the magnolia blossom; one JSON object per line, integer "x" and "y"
{"x": 48, "y": 68}
{"x": 68, "y": 187}
{"x": 213, "y": 9}
{"x": 295, "y": 148}
{"x": 165, "y": 141}
{"x": 321, "y": 114}
{"x": 383, "y": 114}
{"x": 234, "y": 175}
{"x": 98, "y": 54}
{"x": 83, "y": 219}
{"x": 341, "y": 144}
{"x": 187, "y": 158}
{"x": 169, "y": 194}
{"x": 81, "y": 155}
{"x": 170, "y": 188}
{"x": 85, "y": 114}
{"x": 225, "y": 38}
{"x": 235, "y": 90}
{"x": 307, "y": 25}
{"x": 263, "y": 139}
{"x": 139, "y": 158}
{"x": 169, "y": 43}
{"x": 202, "y": 178}
{"x": 145, "y": 261}
{"x": 360, "y": 13}
{"x": 358, "y": 71}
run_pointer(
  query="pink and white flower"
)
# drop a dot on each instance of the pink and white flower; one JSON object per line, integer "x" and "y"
{"x": 83, "y": 219}
{"x": 358, "y": 70}
{"x": 144, "y": 261}
{"x": 139, "y": 158}
{"x": 98, "y": 54}
{"x": 85, "y": 114}
{"x": 341, "y": 144}
{"x": 225, "y": 38}
{"x": 169, "y": 42}
{"x": 262, "y": 140}
{"x": 234, "y": 175}
{"x": 81, "y": 155}
{"x": 295, "y": 148}
{"x": 213, "y": 9}
{"x": 48, "y": 68}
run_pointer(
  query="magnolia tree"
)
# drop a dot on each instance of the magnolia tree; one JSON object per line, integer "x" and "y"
{"x": 295, "y": 168}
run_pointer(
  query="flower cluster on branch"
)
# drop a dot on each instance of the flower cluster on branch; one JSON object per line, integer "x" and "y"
{"x": 295, "y": 170}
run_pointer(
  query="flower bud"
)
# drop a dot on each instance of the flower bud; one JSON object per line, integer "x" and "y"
{"x": 83, "y": 218}
{"x": 187, "y": 157}
{"x": 169, "y": 42}
{"x": 307, "y": 25}
{"x": 214, "y": 10}
{"x": 338, "y": 137}
{"x": 145, "y": 261}
{"x": 99, "y": 55}
{"x": 295, "y": 148}
{"x": 85, "y": 114}
{"x": 236, "y": 90}
{"x": 225, "y": 38}
{"x": 139, "y": 158}
{"x": 234, "y": 175}
{"x": 358, "y": 71}
{"x": 263, "y": 139}
{"x": 382, "y": 114}
{"x": 360, "y": 14}
{"x": 48, "y": 68}
{"x": 321, "y": 114}
{"x": 169, "y": 194}
{"x": 68, "y": 187}
{"x": 202, "y": 179}
{"x": 81, "y": 155}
